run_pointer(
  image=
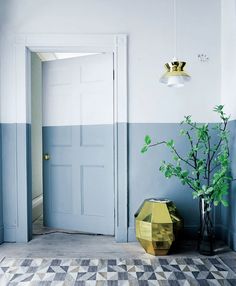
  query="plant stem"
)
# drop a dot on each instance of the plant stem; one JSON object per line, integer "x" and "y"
{"x": 220, "y": 141}
{"x": 156, "y": 144}
{"x": 194, "y": 156}
{"x": 176, "y": 153}
{"x": 182, "y": 159}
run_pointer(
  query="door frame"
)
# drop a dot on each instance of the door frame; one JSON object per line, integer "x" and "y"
{"x": 24, "y": 45}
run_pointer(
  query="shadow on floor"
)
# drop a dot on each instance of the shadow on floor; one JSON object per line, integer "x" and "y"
{"x": 59, "y": 243}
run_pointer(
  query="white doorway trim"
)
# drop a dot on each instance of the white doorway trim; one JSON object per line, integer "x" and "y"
{"x": 117, "y": 44}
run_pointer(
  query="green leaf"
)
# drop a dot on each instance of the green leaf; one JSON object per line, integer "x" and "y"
{"x": 218, "y": 108}
{"x": 196, "y": 184}
{"x": 182, "y": 132}
{"x": 209, "y": 191}
{"x": 216, "y": 203}
{"x": 195, "y": 195}
{"x": 225, "y": 203}
{"x": 162, "y": 168}
{"x": 209, "y": 208}
{"x": 168, "y": 174}
{"x": 200, "y": 192}
{"x": 148, "y": 139}
{"x": 204, "y": 188}
{"x": 187, "y": 119}
{"x": 184, "y": 174}
{"x": 144, "y": 149}
{"x": 170, "y": 143}
{"x": 178, "y": 169}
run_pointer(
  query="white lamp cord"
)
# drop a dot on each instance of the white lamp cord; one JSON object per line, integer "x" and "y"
{"x": 175, "y": 29}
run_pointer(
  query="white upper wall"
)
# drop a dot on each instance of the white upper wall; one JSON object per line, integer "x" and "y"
{"x": 228, "y": 55}
{"x": 149, "y": 25}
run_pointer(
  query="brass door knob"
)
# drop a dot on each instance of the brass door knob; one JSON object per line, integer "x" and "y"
{"x": 46, "y": 157}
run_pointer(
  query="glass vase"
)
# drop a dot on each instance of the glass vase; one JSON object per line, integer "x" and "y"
{"x": 206, "y": 230}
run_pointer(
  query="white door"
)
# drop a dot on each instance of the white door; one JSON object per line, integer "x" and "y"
{"x": 78, "y": 138}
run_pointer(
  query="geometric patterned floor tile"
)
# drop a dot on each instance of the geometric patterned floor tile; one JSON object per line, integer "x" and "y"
{"x": 116, "y": 272}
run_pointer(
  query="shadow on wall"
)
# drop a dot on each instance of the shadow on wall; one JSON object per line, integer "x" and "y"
{"x": 228, "y": 215}
{"x": 1, "y": 212}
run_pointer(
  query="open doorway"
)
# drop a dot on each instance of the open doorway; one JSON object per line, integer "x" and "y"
{"x": 72, "y": 142}
{"x": 25, "y": 44}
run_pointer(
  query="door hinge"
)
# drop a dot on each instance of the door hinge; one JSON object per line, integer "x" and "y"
{"x": 113, "y": 74}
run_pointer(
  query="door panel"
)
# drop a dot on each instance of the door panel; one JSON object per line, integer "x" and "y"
{"x": 78, "y": 136}
{"x": 61, "y": 180}
{"x": 92, "y": 189}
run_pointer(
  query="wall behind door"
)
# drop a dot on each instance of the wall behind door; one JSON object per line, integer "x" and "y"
{"x": 36, "y": 136}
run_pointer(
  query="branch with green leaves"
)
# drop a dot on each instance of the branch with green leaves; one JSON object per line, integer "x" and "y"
{"x": 205, "y": 167}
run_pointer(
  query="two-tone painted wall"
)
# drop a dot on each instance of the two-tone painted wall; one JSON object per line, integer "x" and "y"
{"x": 228, "y": 74}
{"x": 1, "y": 210}
{"x": 227, "y": 216}
{"x": 153, "y": 109}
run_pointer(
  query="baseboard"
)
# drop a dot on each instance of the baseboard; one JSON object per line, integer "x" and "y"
{"x": 131, "y": 234}
{"x": 121, "y": 234}
{"x": 37, "y": 207}
{"x": 228, "y": 236}
{"x": 224, "y": 233}
{"x": 219, "y": 232}
{"x": 190, "y": 231}
{"x": 9, "y": 233}
{"x": 1, "y": 234}
{"x": 231, "y": 239}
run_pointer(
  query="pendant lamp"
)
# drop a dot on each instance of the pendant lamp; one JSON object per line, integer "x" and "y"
{"x": 175, "y": 76}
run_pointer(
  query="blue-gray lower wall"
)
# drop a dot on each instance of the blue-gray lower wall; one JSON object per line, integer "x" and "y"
{"x": 1, "y": 212}
{"x": 144, "y": 178}
{"x": 228, "y": 215}
{"x": 9, "y": 180}
{"x": 10, "y": 134}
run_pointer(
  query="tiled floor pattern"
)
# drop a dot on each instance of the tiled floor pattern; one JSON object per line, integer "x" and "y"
{"x": 116, "y": 272}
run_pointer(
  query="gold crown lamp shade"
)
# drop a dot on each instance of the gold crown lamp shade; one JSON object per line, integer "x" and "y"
{"x": 175, "y": 76}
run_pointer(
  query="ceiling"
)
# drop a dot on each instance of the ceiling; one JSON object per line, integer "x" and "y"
{"x": 59, "y": 56}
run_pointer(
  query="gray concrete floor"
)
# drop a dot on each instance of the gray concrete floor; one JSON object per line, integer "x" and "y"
{"x": 77, "y": 245}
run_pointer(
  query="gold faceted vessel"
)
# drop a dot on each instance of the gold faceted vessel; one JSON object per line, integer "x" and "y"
{"x": 158, "y": 224}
